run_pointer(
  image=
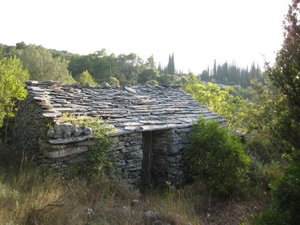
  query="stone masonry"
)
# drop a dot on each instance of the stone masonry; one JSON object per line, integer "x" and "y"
{"x": 151, "y": 127}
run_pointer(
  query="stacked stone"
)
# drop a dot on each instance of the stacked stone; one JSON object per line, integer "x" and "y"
{"x": 66, "y": 143}
{"x": 180, "y": 142}
{"x": 128, "y": 156}
{"x": 129, "y": 109}
{"x": 166, "y": 112}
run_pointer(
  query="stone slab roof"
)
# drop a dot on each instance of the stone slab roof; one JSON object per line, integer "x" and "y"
{"x": 129, "y": 109}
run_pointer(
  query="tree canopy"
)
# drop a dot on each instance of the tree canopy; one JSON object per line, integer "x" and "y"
{"x": 218, "y": 99}
{"x": 41, "y": 65}
{"x": 12, "y": 77}
{"x": 86, "y": 78}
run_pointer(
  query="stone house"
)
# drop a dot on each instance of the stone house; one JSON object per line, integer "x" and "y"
{"x": 152, "y": 125}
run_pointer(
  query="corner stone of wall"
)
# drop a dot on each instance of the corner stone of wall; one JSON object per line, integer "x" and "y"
{"x": 177, "y": 155}
{"x": 128, "y": 155}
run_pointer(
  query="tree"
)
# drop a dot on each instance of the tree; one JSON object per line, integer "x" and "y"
{"x": 171, "y": 65}
{"x": 263, "y": 122}
{"x": 204, "y": 76}
{"x": 114, "y": 82}
{"x": 12, "y": 77}
{"x": 150, "y": 63}
{"x": 285, "y": 75}
{"x": 7, "y": 51}
{"x": 231, "y": 74}
{"x": 86, "y": 78}
{"x": 218, "y": 99}
{"x": 21, "y": 45}
{"x": 152, "y": 82}
{"x": 129, "y": 67}
{"x": 286, "y": 72}
{"x": 42, "y": 66}
{"x": 146, "y": 75}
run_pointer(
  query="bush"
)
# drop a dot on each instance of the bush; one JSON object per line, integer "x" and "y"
{"x": 99, "y": 156}
{"x": 152, "y": 82}
{"x": 285, "y": 206}
{"x": 217, "y": 156}
{"x": 262, "y": 149}
{"x": 86, "y": 78}
{"x": 114, "y": 82}
{"x": 261, "y": 175}
{"x": 12, "y": 77}
{"x": 270, "y": 217}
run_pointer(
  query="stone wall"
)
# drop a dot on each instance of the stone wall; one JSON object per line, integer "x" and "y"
{"x": 59, "y": 144}
{"x": 169, "y": 153}
{"x": 128, "y": 156}
{"x": 28, "y": 127}
{"x": 178, "y": 153}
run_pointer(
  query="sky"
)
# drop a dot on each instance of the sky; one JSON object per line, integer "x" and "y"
{"x": 196, "y": 31}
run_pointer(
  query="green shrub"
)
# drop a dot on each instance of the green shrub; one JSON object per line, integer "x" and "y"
{"x": 114, "y": 82}
{"x": 261, "y": 148}
{"x": 100, "y": 155}
{"x": 285, "y": 205}
{"x": 217, "y": 156}
{"x": 12, "y": 88}
{"x": 269, "y": 217}
{"x": 261, "y": 175}
{"x": 152, "y": 82}
{"x": 286, "y": 194}
{"x": 86, "y": 78}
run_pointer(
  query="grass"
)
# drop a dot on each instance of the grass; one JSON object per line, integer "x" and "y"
{"x": 33, "y": 196}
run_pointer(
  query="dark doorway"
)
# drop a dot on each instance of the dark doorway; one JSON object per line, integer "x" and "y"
{"x": 147, "y": 163}
{"x": 155, "y": 152}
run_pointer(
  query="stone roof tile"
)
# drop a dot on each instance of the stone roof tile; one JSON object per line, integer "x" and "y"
{"x": 132, "y": 108}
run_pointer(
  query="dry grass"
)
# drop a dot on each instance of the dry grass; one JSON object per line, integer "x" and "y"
{"x": 26, "y": 191}
{"x": 33, "y": 196}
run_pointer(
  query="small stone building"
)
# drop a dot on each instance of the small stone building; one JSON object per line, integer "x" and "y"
{"x": 151, "y": 124}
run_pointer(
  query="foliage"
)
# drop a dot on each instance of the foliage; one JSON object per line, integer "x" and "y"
{"x": 51, "y": 64}
{"x": 102, "y": 66}
{"x": 217, "y": 157}
{"x": 262, "y": 174}
{"x": 231, "y": 74}
{"x": 114, "y": 82}
{"x": 285, "y": 73}
{"x": 129, "y": 67}
{"x": 152, "y": 82}
{"x": 146, "y": 75}
{"x": 286, "y": 195}
{"x": 86, "y": 78}
{"x": 218, "y": 99}
{"x": 12, "y": 77}
{"x": 171, "y": 65}
{"x": 43, "y": 66}
{"x": 269, "y": 217}
{"x": 264, "y": 122}
{"x": 99, "y": 156}
{"x": 7, "y": 51}
{"x": 285, "y": 205}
